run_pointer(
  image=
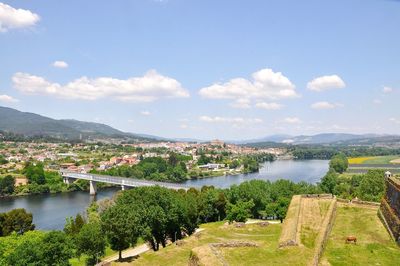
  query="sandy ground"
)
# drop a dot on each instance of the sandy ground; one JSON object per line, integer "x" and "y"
{"x": 254, "y": 221}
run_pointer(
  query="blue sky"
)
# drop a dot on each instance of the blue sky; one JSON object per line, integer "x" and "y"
{"x": 206, "y": 69}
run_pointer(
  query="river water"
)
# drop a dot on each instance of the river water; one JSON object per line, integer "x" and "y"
{"x": 50, "y": 210}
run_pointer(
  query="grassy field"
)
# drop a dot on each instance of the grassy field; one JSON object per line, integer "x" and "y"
{"x": 267, "y": 253}
{"x": 374, "y": 246}
{"x": 374, "y": 160}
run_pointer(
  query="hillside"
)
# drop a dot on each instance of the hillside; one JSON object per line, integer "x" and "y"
{"x": 30, "y": 124}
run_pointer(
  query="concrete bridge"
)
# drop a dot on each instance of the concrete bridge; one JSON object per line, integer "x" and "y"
{"x": 68, "y": 178}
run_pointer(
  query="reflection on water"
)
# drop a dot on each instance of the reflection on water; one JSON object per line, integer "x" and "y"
{"x": 310, "y": 171}
{"x": 50, "y": 211}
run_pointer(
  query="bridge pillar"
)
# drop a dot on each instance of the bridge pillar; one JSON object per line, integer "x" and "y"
{"x": 93, "y": 187}
{"x": 67, "y": 180}
{"x": 122, "y": 187}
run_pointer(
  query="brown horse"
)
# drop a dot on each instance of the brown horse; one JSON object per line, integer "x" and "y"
{"x": 350, "y": 239}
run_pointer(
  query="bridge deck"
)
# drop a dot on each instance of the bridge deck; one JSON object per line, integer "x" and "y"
{"x": 123, "y": 181}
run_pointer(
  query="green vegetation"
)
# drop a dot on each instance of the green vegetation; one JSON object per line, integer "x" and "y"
{"x": 15, "y": 221}
{"x": 157, "y": 214}
{"x": 266, "y": 253}
{"x": 35, "y": 248}
{"x": 339, "y": 163}
{"x": 307, "y": 152}
{"x": 91, "y": 241}
{"x": 240, "y": 211}
{"x": 153, "y": 168}
{"x": 374, "y": 245}
{"x": 7, "y": 185}
{"x": 368, "y": 187}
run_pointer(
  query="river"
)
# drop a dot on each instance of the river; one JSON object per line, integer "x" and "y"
{"x": 50, "y": 210}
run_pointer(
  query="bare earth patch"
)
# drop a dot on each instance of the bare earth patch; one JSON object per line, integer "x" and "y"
{"x": 395, "y": 161}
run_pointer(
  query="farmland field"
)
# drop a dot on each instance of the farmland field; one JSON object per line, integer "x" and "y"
{"x": 374, "y": 245}
{"x": 375, "y": 160}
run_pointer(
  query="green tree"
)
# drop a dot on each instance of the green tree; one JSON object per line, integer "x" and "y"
{"x": 35, "y": 173}
{"x": 121, "y": 226}
{"x": 329, "y": 181}
{"x": 240, "y": 211}
{"x": 372, "y": 185}
{"x": 234, "y": 164}
{"x": 56, "y": 249}
{"x": 339, "y": 163}
{"x": 26, "y": 250}
{"x": 203, "y": 160}
{"x": 7, "y": 185}
{"x": 173, "y": 159}
{"x": 17, "y": 220}
{"x": 91, "y": 241}
{"x": 73, "y": 226}
{"x": 278, "y": 209}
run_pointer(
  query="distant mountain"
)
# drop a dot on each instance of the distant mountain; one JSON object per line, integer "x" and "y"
{"x": 30, "y": 124}
{"x": 324, "y": 138}
{"x": 278, "y": 138}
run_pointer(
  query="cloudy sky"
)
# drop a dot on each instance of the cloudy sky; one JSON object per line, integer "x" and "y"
{"x": 206, "y": 69}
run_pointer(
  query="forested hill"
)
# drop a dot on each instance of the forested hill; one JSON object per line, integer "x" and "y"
{"x": 30, "y": 124}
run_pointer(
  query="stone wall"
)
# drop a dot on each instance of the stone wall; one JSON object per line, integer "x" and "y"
{"x": 289, "y": 235}
{"x": 390, "y": 208}
{"x": 324, "y": 232}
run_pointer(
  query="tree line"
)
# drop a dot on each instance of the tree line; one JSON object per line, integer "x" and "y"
{"x": 155, "y": 215}
{"x": 368, "y": 187}
{"x": 308, "y": 152}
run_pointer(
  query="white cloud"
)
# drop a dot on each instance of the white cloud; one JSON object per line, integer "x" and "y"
{"x": 60, "y": 64}
{"x": 241, "y": 103}
{"x": 269, "y": 106}
{"x": 387, "y": 90}
{"x": 394, "y": 120}
{"x": 326, "y": 83}
{"x": 377, "y": 101}
{"x": 183, "y": 126}
{"x": 292, "y": 120}
{"x": 145, "y": 113}
{"x": 7, "y": 99}
{"x": 265, "y": 84}
{"x": 150, "y": 87}
{"x": 325, "y": 105}
{"x": 11, "y": 18}
{"x": 234, "y": 120}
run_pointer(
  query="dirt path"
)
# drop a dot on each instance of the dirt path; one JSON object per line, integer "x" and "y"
{"x": 128, "y": 253}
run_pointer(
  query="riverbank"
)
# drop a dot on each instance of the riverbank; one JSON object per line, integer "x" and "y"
{"x": 50, "y": 210}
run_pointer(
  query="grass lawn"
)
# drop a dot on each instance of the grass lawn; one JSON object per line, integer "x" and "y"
{"x": 374, "y": 245}
{"x": 374, "y": 160}
{"x": 81, "y": 261}
{"x": 266, "y": 254}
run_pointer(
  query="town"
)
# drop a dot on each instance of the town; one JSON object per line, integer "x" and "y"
{"x": 190, "y": 160}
